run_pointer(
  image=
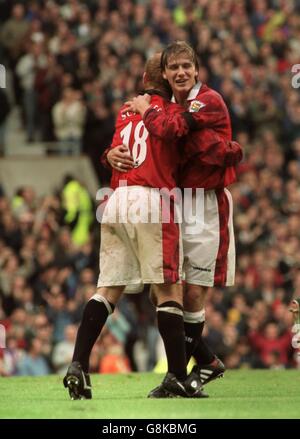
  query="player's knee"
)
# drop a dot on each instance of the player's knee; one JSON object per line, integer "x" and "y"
{"x": 193, "y": 294}
{"x": 112, "y": 294}
{"x": 194, "y": 297}
{"x": 166, "y": 292}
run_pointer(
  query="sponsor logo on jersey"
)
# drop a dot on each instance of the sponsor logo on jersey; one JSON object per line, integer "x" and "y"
{"x": 196, "y": 106}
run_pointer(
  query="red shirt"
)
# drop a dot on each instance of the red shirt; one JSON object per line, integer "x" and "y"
{"x": 210, "y": 155}
{"x": 266, "y": 346}
{"x": 157, "y": 162}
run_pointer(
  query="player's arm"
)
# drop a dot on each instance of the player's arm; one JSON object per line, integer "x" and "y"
{"x": 159, "y": 122}
{"x": 215, "y": 150}
{"x": 104, "y": 159}
{"x": 169, "y": 124}
{"x": 113, "y": 156}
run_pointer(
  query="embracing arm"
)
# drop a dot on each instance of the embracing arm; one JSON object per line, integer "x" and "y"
{"x": 216, "y": 150}
{"x": 113, "y": 156}
{"x": 173, "y": 122}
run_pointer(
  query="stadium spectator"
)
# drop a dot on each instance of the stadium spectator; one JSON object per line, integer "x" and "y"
{"x": 13, "y": 32}
{"x": 47, "y": 85}
{"x": 99, "y": 124}
{"x": 43, "y": 330}
{"x": 273, "y": 348}
{"x": 58, "y": 313}
{"x": 68, "y": 120}
{"x": 78, "y": 209}
{"x": 11, "y": 357}
{"x": 113, "y": 358}
{"x": 4, "y": 112}
{"x": 26, "y": 70}
{"x": 33, "y": 363}
{"x": 63, "y": 351}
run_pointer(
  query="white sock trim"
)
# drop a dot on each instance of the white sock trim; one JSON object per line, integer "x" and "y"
{"x": 194, "y": 317}
{"x": 100, "y": 298}
{"x": 171, "y": 310}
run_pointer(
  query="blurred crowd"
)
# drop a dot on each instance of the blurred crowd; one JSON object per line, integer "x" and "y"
{"x": 73, "y": 64}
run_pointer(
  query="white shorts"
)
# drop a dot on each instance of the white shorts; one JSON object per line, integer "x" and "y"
{"x": 134, "y": 250}
{"x": 209, "y": 254}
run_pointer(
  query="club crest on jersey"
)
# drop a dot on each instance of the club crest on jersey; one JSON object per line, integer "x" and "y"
{"x": 196, "y": 106}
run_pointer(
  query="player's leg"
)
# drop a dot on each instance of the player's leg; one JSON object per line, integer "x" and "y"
{"x": 207, "y": 263}
{"x": 168, "y": 299}
{"x": 208, "y": 366}
{"x": 160, "y": 252}
{"x": 95, "y": 314}
{"x": 170, "y": 325}
{"x": 159, "y": 248}
{"x": 194, "y": 320}
{"x": 114, "y": 252}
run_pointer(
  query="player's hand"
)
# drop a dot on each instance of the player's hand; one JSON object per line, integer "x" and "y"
{"x": 139, "y": 104}
{"x": 120, "y": 159}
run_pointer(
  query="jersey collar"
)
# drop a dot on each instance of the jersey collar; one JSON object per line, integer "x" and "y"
{"x": 193, "y": 92}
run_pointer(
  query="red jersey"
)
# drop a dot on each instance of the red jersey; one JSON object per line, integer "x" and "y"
{"x": 210, "y": 155}
{"x": 156, "y": 162}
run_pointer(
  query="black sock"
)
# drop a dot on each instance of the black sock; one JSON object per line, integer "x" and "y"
{"x": 171, "y": 328}
{"x": 202, "y": 353}
{"x": 192, "y": 337}
{"x": 94, "y": 317}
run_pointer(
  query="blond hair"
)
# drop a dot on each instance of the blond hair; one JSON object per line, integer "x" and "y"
{"x": 153, "y": 76}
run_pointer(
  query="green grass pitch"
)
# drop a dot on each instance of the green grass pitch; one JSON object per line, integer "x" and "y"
{"x": 248, "y": 394}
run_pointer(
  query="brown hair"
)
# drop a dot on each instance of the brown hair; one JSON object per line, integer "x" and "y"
{"x": 153, "y": 76}
{"x": 178, "y": 48}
